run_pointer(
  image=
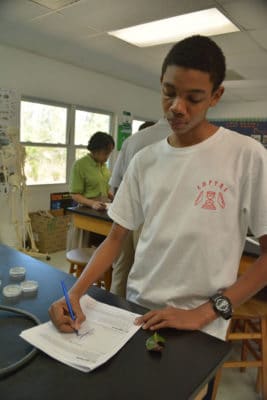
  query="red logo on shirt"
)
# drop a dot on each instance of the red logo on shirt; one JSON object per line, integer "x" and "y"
{"x": 211, "y": 195}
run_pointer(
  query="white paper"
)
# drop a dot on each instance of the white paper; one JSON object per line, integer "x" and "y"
{"x": 104, "y": 332}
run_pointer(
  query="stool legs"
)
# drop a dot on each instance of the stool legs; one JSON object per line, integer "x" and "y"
{"x": 244, "y": 351}
{"x": 216, "y": 383}
{"x": 264, "y": 357}
{"x": 261, "y": 364}
{"x": 72, "y": 268}
{"x": 78, "y": 269}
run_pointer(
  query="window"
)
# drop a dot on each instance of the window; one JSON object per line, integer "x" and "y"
{"x": 79, "y": 153}
{"x": 86, "y": 124}
{"x": 43, "y": 131}
{"x": 135, "y": 124}
{"x": 54, "y": 135}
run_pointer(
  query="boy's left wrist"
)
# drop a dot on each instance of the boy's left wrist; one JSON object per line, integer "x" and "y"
{"x": 208, "y": 313}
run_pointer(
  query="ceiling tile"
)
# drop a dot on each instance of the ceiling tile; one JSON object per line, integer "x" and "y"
{"x": 250, "y": 14}
{"x": 256, "y": 72}
{"x": 236, "y": 43}
{"x": 254, "y": 59}
{"x": 60, "y": 26}
{"x": 260, "y": 36}
{"x": 17, "y": 10}
{"x": 128, "y": 12}
{"x": 54, "y": 4}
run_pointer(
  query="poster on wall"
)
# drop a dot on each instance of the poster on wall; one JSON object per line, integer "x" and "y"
{"x": 9, "y": 121}
{"x": 124, "y": 128}
{"x": 9, "y": 112}
{"x": 10, "y": 195}
{"x": 254, "y": 127}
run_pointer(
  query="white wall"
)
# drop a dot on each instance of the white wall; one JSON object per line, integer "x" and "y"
{"x": 50, "y": 79}
{"x": 42, "y": 77}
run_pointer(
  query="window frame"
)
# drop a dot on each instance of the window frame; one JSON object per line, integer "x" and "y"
{"x": 91, "y": 110}
{"x": 70, "y": 131}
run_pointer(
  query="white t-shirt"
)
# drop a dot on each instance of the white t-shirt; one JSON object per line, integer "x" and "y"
{"x": 135, "y": 143}
{"x": 196, "y": 204}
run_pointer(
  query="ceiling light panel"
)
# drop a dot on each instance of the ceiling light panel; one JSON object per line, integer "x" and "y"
{"x": 209, "y": 22}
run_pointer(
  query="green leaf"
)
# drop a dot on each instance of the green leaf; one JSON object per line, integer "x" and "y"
{"x": 154, "y": 342}
{"x": 158, "y": 338}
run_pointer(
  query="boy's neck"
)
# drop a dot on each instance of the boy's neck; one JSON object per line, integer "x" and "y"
{"x": 199, "y": 134}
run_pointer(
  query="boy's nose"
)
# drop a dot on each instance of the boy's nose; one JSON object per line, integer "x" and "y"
{"x": 178, "y": 106}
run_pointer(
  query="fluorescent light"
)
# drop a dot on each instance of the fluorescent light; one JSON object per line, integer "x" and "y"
{"x": 209, "y": 22}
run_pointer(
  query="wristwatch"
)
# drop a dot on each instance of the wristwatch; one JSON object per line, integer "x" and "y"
{"x": 222, "y": 305}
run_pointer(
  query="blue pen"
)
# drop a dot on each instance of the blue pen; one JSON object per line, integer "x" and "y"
{"x": 72, "y": 315}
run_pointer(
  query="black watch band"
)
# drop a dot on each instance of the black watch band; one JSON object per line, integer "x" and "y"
{"x": 222, "y": 305}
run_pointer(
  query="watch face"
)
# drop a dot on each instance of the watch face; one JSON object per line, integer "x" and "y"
{"x": 222, "y": 304}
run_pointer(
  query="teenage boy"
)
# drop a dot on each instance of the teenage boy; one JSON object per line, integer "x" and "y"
{"x": 196, "y": 193}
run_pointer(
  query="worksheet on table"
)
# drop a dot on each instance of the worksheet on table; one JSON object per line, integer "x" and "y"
{"x": 104, "y": 332}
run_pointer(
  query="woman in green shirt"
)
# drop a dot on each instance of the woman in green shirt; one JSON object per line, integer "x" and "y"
{"x": 90, "y": 175}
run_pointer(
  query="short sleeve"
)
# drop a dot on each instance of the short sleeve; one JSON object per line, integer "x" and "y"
{"x": 255, "y": 193}
{"x": 76, "y": 180}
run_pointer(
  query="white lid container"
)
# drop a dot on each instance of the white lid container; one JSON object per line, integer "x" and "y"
{"x": 17, "y": 273}
{"x": 12, "y": 291}
{"x": 29, "y": 287}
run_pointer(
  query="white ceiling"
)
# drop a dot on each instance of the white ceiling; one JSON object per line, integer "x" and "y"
{"x": 77, "y": 34}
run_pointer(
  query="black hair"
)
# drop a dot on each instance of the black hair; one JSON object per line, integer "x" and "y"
{"x": 100, "y": 141}
{"x": 198, "y": 52}
{"x": 146, "y": 124}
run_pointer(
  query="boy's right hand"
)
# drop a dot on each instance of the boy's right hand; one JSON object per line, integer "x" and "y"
{"x": 60, "y": 317}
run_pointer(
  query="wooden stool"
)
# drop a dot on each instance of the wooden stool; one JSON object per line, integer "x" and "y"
{"x": 249, "y": 326}
{"x": 78, "y": 259}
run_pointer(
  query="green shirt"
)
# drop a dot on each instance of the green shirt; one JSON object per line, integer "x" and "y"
{"x": 89, "y": 178}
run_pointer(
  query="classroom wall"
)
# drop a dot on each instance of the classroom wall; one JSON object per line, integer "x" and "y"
{"x": 46, "y": 78}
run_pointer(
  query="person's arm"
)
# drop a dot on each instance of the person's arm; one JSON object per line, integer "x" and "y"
{"x": 100, "y": 262}
{"x": 76, "y": 188}
{"x": 119, "y": 168}
{"x": 243, "y": 289}
{"x": 95, "y": 204}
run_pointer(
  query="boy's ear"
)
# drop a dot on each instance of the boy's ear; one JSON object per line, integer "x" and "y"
{"x": 216, "y": 96}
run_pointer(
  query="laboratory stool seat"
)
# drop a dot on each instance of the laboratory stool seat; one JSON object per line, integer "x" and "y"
{"x": 78, "y": 259}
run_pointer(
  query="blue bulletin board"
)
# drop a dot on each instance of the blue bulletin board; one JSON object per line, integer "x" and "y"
{"x": 254, "y": 127}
